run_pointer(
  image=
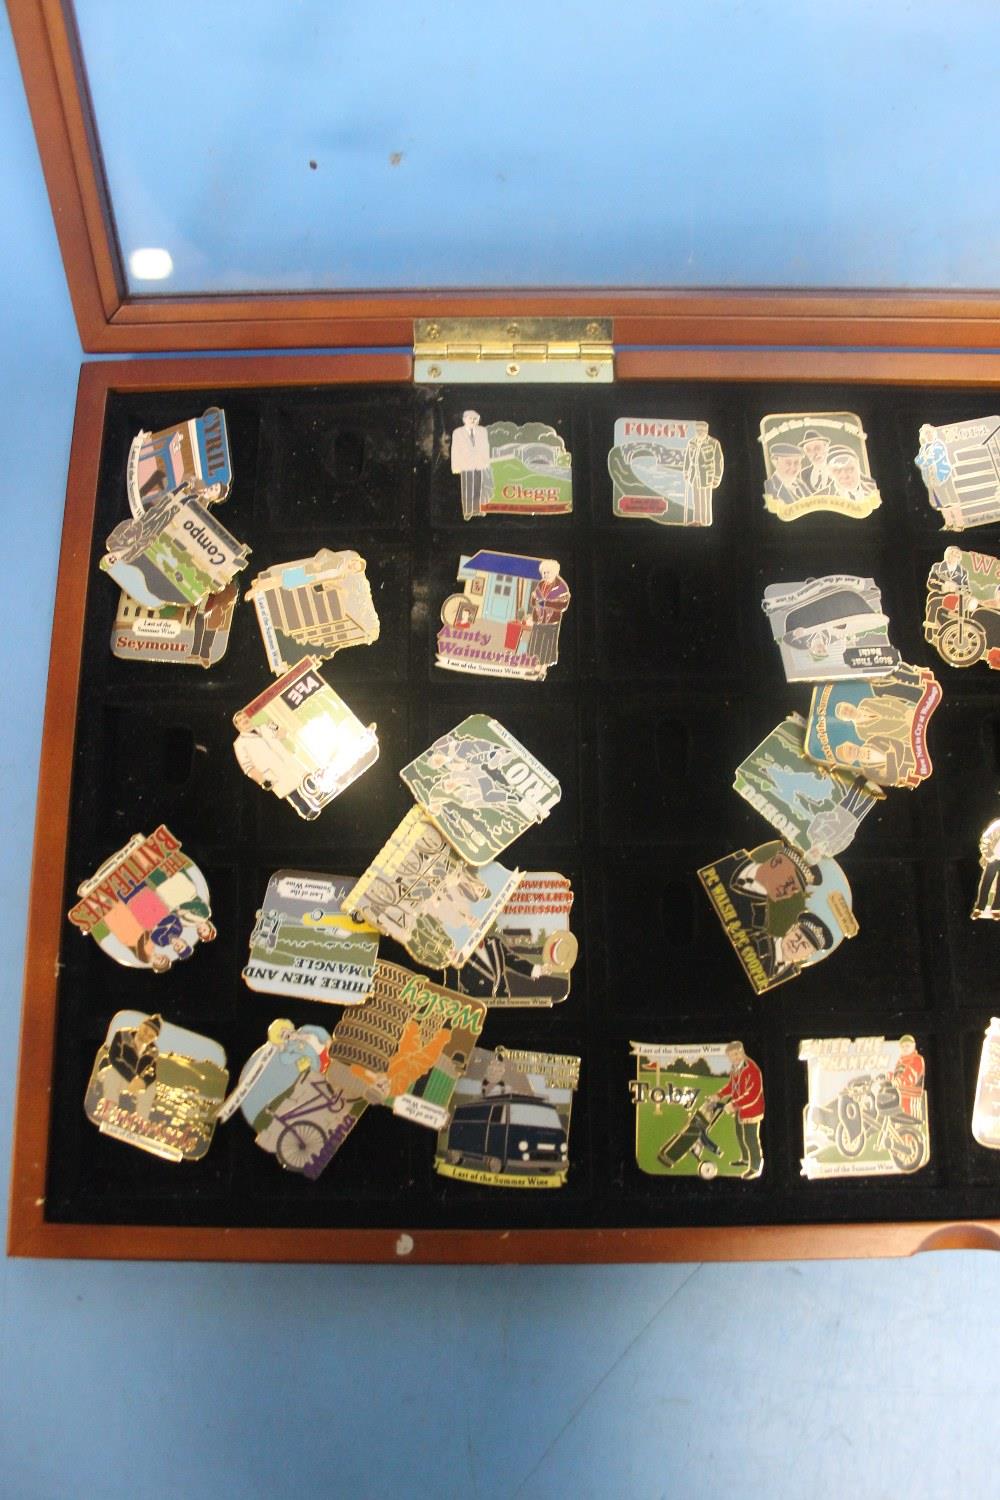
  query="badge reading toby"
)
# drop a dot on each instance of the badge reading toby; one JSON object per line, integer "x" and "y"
{"x": 698, "y": 1110}
{"x": 867, "y": 1110}
{"x": 510, "y": 470}
{"x": 192, "y": 457}
{"x": 664, "y": 470}
{"x": 878, "y": 729}
{"x": 817, "y": 461}
{"x": 506, "y": 623}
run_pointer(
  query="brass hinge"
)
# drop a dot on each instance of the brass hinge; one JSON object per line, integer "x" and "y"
{"x": 518, "y": 351}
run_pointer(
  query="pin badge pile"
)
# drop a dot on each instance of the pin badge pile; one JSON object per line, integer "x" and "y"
{"x": 698, "y": 1110}
{"x": 505, "y": 469}
{"x": 817, "y": 461}
{"x": 506, "y": 621}
{"x": 867, "y": 1109}
{"x": 664, "y": 470}
{"x": 960, "y": 465}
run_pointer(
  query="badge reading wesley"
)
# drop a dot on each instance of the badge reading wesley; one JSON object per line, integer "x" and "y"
{"x": 962, "y": 615}
{"x": 780, "y": 913}
{"x": 303, "y": 944}
{"x": 698, "y": 1110}
{"x": 313, "y": 607}
{"x": 527, "y": 958}
{"x": 157, "y": 1086}
{"x": 148, "y": 905}
{"x": 817, "y": 461}
{"x": 192, "y": 457}
{"x": 814, "y": 807}
{"x": 481, "y": 787}
{"x": 867, "y": 1110}
{"x": 664, "y": 470}
{"x": 174, "y": 553}
{"x": 960, "y": 465}
{"x": 198, "y": 634}
{"x": 511, "y": 470}
{"x": 299, "y": 740}
{"x": 986, "y": 1108}
{"x": 878, "y": 729}
{"x": 510, "y": 1117}
{"x": 830, "y": 628}
{"x": 506, "y": 623}
{"x": 988, "y": 891}
{"x": 420, "y": 892}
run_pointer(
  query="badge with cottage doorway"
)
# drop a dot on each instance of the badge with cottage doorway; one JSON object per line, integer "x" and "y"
{"x": 698, "y": 1110}
{"x": 507, "y": 621}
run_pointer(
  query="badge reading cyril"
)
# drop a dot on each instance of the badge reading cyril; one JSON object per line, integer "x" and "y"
{"x": 506, "y": 623}
{"x": 780, "y": 913}
{"x": 148, "y": 905}
{"x": 664, "y": 470}
{"x": 830, "y": 628}
{"x": 960, "y": 465}
{"x": 481, "y": 787}
{"x": 817, "y": 461}
{"x": 962, "y": 614}
{"x": 510, "y": 1119}
{"x": 192, "y": 457}
{"x": 313, "y": 607}
{"x": 299, "y": 740}
{"x": 303, "y": 944}
{"x": 157, "y": 1086}
{"x": 867, "y": 1110}
{"x": 511, "y": 470}
{"x": 198, "y": 634}
{"x": 527, "y": 958}
{"x": 698, "y": 1110}
{"x": 878, "y": 729}
{"x": 174, "y": 553}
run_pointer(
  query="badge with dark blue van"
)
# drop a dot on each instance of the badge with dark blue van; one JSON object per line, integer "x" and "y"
{"x": 510, "y": 1117}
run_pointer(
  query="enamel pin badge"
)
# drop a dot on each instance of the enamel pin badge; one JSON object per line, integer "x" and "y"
{"x": 191, "y": 458}
{"x": 986, "y": 1106}
{"x": 510, "y": 1120}
{"x": 506, "y": 622}
{"x": 509, "y": 470}
{"x": 664, "y": 470}
{"x": 780, "y": 913}
{"x": 157, "y": 1086}
{"x": 481, "y": 787}
{"x": 420, "y": 892}
{"x": 527, "y": 958}
{"x": 194, "y": 633}
{"x": 878, "y": 729}
{"x": 960, "y": 465}
{"x": 698, "y": 1110}
{"x": 174, "y": 553}
{"x": 815, "y": 807}
{"x": 147, "y": 906}
{"x": 867, "y": 1109}
{"x": 985, "y": 907}
{"x": 962, "y": 614}
{"x": 304, "y": 945}
{"x": 299, "y": 740}
{"x": 313, "y": 607}
{"x": 817, "y": 461}
{"x": 832, "y": 628}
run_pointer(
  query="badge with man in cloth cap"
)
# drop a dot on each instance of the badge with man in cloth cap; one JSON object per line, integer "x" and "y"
{"x": 817, "y": 461}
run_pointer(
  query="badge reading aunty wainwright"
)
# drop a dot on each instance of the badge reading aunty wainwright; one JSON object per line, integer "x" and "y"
{"x": 698, "y": 1110}
{"x": 527, "y": 958}
{"x": 148, "y": 905}
{"x": 313, "y": 607}
{"x": 191, "y": 458}
{"x": 174, "y": 553}
{"x": 878, "y": 729}
{"x": 960, "y": 465}
{"x": 962, "y": 613}
{"x": 780, "y": 913}
{"x": 832, "y": 628}
{"x": 510, "y": 1120}
{"x": 507, "y": 621}
{"x": 303, "y": 944}
{"x": 664, "y": 470}
{"x": 815, "y": 807}
{"x": 509, "y": 470}
{"x": 867, "y": 1110}
{"x": 157, "y": 1086}
{"x": 481, "y": 787}
{"x": 817, "y": 461}
{"x": 194, "y": 633}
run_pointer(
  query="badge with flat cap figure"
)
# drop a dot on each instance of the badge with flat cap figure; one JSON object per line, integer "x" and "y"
{"x": 817, "y": 461}
{"x": 986, "y": 1106}
{"x": 174, "y": 553}
{"x": 698, "y": 1110}
{"x": 780, "y": 913}
{"x": 988, "y": 891}
{"x": 191, "y": 458}
{"x": 960, "y": 465}
{"x": 148, "y": 905}
{"x": 664, "y": 470}
{"x": 877, "y": 729}
{"x": 962, "y": 614}
{"x": 505, "y": 469}
{"x": 304, "y": 945}
{"x": 314, "y": 607}
{"x": 510, "y": 1119}
{"x": 197, "y": 634}
{"x": 830, "y": 628}
{"x": 867, "y": 1109}
{"x": 527, "y": 958}
{"x": 157, "y": 1086}
{"x": 506, "y": 623}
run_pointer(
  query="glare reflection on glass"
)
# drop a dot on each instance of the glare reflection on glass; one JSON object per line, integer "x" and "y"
{"x": 150, "y": 264}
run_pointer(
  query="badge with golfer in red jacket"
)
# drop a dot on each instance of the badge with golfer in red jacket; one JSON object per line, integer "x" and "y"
{"x": 698, "y": 1110}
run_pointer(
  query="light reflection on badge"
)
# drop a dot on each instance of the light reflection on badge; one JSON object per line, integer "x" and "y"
{"x": 986, "y": 1108}
{"x": 867, "y": 1109}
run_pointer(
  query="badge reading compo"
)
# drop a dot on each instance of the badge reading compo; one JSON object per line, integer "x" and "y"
{"x": 507, "y": 622}
{"x": 817, "y": 461}
{"x": 174, "y": 553}
{"x": 698, "y": 1110}
{"x": 510, "y": 470}
{"x": 664, "y": 470}
{"x": 867, "y": 1110}
{"x": 510, "y": 1117}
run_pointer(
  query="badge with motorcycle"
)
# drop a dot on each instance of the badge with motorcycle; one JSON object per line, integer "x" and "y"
{"x": 304, "y": 944}
{"x": 526, "y": 959}
{"x": 190, "y": 458}
{"x": 506, "y": 622}
{"x": 698, "y": 1110}
{"x": 877, "y": 729}
{"x": 780, "y": 913}
{"x": 313, "y": 607}
{"x": 664, "y": 470}
{"x": 986, "y": 1107}
{"x": 960, "y": 465}
{"x": 831, "y": 628}
{"x": 962, "y": 614}
{"x": 505, "y": 469}
{"x": 867, "y": 1109}
{"x": 817, "y": 461}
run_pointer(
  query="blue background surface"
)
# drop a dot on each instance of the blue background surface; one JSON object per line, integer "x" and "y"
{"x": 867, "y": 1379}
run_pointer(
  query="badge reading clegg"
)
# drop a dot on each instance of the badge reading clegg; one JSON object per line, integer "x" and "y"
{"x": 867, "y": 1110}
{"x": 510, "y": 470}
{"x": 832, "y": 628}
{"x": 313, "y": 607}
{"x": 817, "y": 461}
{"x": 174, "y": 553}
{"x": 192, "y": 457}
{"x": 303, "y": 944}
{"x": 960, "y": 465}
{"x": 299, "y": 740}
{"x": 962, "y": 614}
{"x": 147, "y": 906}
{"x": 157, "y": 1086}
{"x": 194, "y": 633}
{"x": 527, "y": 958}
{"x": 506, "y": 623}
{"x": 510, "y": 1119}
{"x": 780, "y": 913}
{"x": 878, "y": 729}
{"x": 664, "y": 470}
{"x": 698, "y": 1110}
{"x": 481, "y": 787}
